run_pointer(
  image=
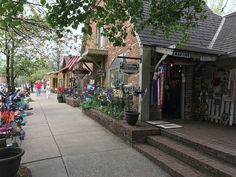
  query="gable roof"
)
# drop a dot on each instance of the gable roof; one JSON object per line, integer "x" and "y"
{"x": 227, "y": 37}
{"x": 201, "y": 36}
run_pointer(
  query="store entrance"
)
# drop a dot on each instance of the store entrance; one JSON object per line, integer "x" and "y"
{"x": 172, "y": 92}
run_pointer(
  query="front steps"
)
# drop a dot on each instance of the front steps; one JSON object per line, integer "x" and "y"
{"x": 183, "y": 157}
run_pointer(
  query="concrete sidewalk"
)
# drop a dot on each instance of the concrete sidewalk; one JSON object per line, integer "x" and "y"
{"x": 62, "y": 142}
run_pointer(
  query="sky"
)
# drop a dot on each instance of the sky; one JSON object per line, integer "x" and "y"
{"x": 230, "y": 7}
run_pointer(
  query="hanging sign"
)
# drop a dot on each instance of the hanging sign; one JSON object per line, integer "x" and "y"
{"x": 181, "y": 54}
{"x": 80, "y": 71}
{"x": 129, "y": 68}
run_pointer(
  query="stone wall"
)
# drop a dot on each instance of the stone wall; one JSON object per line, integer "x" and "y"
{"x": 72, "y": 102}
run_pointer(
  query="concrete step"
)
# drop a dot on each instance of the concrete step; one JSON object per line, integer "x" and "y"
{"x": 217, "y": 151}
{"x": 196, "y": 159}
{"x": 171, "y": 165}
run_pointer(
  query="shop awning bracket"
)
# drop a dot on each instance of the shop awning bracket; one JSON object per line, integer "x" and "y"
{"x": 87, "y": 67}
{"x": 160, "y": 61}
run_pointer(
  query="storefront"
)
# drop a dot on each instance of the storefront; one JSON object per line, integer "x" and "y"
{"x": 176, "y": 83}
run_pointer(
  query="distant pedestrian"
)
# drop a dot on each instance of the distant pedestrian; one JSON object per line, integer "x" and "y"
{"x": 48, "y": 90}
{"x": 38, "y": 87}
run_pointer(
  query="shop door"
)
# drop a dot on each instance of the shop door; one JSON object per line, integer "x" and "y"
{"x": 172, "y": 92}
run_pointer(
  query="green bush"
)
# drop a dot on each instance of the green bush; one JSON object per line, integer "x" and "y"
{"x": 114, "y": 108}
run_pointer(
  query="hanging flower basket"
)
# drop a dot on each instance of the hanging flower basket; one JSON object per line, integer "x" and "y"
{"x": 10, "y": 161}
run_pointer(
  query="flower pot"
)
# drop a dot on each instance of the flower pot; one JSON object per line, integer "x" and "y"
{"x": 10, "y": 161}
{"x": 3, "y": 142}
{"x": 131, "y": 117}
{"x": 60, "y": 99}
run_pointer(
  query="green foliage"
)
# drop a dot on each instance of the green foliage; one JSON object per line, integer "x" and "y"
{"x": 113, "y": 108}
{"x": 87, "y": 104}
{"x": 164, "y": 16}
{"x": 31, "y": 69}
{"x": 38, "y": 74}
{"x": 22, "y": 16}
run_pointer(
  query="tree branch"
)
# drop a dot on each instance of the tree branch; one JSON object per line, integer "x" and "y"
{"x": 223, "y": 8}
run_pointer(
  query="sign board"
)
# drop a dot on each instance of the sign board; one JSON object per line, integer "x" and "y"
{"x": 181, "y": 54}
{"x": 207, "y": 58}
{"x": 80, "y": 71}
{"x": 129, "y": 68}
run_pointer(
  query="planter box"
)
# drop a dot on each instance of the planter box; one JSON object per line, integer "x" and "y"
{"x": 130, "y": 134}
{"x": 72, "y": 102}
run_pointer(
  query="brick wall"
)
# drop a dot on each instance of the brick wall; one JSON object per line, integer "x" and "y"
{"x": 131, "y": 43}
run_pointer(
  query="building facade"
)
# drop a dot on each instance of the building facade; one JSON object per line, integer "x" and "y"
{"x": 191, "y": 81}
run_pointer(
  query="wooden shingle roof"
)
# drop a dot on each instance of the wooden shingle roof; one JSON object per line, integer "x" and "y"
{"x": 200, "y": 37}
{"x": 226, "y": 39}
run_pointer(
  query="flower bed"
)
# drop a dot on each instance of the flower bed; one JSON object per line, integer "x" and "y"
{"x": 130, "y": 134}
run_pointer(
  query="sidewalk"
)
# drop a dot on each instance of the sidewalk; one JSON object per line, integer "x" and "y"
{"x": 62, "y": 142}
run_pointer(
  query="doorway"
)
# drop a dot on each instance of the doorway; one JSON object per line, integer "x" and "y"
{"x": 172, "y": 91}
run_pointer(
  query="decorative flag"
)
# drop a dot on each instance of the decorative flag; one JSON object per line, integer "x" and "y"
{"x": 72, "y": 61}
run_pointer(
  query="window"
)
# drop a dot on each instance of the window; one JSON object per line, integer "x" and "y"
{"x": 100, "y": 38}
{"x": 117, "y": 77}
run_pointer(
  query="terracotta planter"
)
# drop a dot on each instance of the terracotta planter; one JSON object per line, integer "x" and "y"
{"x": 131, "y": 117}
{"x": 10, "y": 161}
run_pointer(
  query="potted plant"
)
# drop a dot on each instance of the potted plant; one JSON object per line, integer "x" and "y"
{"x": 60, "y": 96}
{"x": 10, "y": 158}
{"x": 131, "y": 113}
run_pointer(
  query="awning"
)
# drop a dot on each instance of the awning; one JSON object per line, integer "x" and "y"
{"x": 203, "y": 54}
{"x": 93, "y": 55}
{"x": 188, "y": 52}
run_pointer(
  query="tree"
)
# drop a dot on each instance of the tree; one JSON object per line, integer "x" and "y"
{"x": 164, "y": 16}
{"x": 2, "y": 66}
{"x": 30, "y": 69}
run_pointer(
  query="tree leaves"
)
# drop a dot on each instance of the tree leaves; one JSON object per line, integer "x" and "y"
{"x": 116, "y": 17}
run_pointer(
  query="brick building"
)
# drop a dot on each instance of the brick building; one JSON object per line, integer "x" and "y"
{"x": 179, "y": 81}
{"x": 2, "y": 78}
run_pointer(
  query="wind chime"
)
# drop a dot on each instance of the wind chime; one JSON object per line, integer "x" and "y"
{"x": 157, "y": 91}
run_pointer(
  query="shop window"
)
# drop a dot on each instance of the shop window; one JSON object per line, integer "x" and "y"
{"x": 117, "y": 77}
{"x": 100, "y": 38}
